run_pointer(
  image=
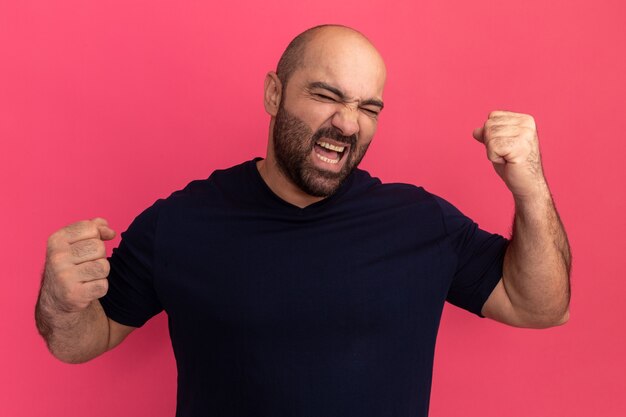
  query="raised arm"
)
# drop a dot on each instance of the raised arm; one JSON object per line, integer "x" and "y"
{"x": 68, "y": 314}
{"x": 534, "y": 290}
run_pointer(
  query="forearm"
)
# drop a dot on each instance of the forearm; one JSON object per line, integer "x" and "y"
{"x": 73, "y": 337}
{"x": 537, "y": 262}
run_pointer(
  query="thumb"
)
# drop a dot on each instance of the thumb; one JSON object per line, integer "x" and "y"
{"x": 478, "y": 134}
{"x": 106, "y": 233}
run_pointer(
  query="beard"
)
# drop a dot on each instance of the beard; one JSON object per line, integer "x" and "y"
{"x": 293, "y": 144}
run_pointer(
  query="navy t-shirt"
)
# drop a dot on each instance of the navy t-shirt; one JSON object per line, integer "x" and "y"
{"x": 275, "y": 310}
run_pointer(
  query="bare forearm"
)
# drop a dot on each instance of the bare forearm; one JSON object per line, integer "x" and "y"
{"x": 534, "y": 290}
{"x": 537, "y": 262}
{"x": 72, "y": 337}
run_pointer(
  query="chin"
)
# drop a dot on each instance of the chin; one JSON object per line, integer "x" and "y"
{"x": 321, "y": 183}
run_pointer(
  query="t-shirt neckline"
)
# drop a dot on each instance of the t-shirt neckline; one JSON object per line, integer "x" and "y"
{"x": 266, "y": 191}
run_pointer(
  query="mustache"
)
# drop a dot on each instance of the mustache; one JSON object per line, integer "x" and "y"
{"x": 334, "y": 134}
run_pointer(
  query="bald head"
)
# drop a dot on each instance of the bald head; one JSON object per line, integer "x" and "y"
{"x": 317, "y": 39}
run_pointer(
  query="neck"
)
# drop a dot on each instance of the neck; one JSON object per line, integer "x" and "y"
{"x": 282, "y": 186}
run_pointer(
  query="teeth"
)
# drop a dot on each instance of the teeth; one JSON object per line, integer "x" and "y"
{"x": 323, "y": 158}
{"x": 331, "y": 147}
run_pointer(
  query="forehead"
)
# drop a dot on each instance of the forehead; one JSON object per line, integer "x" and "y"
{"x": 345, "y": 60}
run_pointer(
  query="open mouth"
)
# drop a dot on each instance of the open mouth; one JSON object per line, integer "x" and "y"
{"x": 328, "y": 152}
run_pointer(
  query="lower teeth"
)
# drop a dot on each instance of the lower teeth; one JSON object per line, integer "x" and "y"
{"x": 325, "y": 159}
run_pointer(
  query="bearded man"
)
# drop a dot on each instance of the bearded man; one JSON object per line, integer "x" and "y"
{"x": 297, "y": 284}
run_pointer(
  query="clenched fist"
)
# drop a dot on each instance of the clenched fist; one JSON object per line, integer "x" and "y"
{"x": 76, "y": 266}
{"x": 513, "y": 147}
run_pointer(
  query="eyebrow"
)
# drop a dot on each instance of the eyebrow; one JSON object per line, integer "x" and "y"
{"x": 342, "y": 95}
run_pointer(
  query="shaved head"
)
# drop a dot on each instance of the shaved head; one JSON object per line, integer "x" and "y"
{"x": 294, "y": 56}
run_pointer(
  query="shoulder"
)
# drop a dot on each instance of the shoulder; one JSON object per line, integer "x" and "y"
{"x": 196, "y": 196}
{"x": 396, "y": 193}
{"x": 220, "y": 185}
{"x": 401, "y": 203}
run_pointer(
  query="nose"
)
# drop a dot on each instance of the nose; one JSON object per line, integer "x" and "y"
{"x": 346, "y": 120}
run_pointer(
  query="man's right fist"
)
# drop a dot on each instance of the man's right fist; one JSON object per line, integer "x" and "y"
{"x": 76, "y": 266}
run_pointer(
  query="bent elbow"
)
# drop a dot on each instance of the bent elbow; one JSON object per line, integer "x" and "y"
{"x": 72, "y": 357}
{"x": 563, "y": 319}
{"x": 547, "y": 321}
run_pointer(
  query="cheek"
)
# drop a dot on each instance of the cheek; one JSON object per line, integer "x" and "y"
{"x": 367, "y": 129}
{"x": 323, "y": 116}
{"x": 318, "y": 116}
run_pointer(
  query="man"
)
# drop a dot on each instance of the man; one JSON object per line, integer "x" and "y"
{"x": 297, "y": 284}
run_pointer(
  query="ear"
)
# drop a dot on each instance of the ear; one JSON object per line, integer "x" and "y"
{"x": 273, "y": 93}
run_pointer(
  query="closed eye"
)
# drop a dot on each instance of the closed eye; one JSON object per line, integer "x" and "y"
{"x": 370, "y": 112}
{"x": 324, "y": 97}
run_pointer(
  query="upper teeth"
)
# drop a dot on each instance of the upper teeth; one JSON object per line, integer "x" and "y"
{"x": 331, "y": 147}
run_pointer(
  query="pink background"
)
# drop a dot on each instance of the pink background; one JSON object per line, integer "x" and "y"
{"x": 106, "y": 106}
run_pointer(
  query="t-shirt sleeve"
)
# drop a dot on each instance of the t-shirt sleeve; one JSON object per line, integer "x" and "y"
{"x": 131, "y": 299}
{"x": 479, "y": 259}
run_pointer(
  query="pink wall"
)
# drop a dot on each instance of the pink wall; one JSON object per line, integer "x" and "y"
{"x": 106, "y": 106}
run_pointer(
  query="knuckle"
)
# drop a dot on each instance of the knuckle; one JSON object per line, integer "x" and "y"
{"x": 77, "y": 249}
{"x": 494, "y": 128}
{"x": 504, "y": 142}
{"x": 497, "y": 113}
{"x": 92, "y": 270}
{"x": 106, "y": 267}
{"x": 98, "y": 289}
{"x": 96, "y": 269}
{"x": 80, "y": 229}
{"x": 99, "y": 221}
{"x": 104, "y": 287}
{"x": 56, "y": 240}
{"x": 53, "y": 240}
{"x": 55, "y": 258}
{"x": 85, "y": 248}
{"x": 74, "y": 228}
{"x": 527, "y": 134}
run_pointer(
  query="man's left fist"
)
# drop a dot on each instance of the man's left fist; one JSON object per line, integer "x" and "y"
{"x": 513, "y": 147}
